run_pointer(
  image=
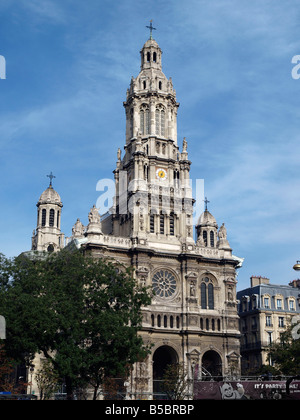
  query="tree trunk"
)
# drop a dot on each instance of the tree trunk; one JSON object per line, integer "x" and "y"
{"x": 69, "y": 388}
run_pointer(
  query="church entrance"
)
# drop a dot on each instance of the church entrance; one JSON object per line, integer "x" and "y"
{"x": 211, "y": 361}
{"x": 162, "y": 357}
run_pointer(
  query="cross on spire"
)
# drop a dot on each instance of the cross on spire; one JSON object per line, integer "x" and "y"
{"x": 151, "y": 29}
{"x": 51, "y": 176}
{"x": 206, "y": 202}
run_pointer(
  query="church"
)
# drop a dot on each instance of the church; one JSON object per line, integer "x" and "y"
{"x": 193, "y": 318}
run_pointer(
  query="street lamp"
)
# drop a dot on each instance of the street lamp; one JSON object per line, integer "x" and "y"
{"x": 297, "y": 266}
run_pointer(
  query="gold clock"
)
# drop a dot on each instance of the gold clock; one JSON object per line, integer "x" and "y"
{"x": 161, "y": 174}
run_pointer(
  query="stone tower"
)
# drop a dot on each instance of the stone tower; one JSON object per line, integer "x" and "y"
{"x": 153, "y": 194}
{"x": 47, "y": 236}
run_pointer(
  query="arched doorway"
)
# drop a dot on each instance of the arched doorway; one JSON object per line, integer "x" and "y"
{"x": 162, "y": 357}
{"x": 211, "y": 361}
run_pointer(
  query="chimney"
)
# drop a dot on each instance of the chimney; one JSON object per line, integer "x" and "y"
{"x": 295, "y": 283}
{"x": 256, "y": 280}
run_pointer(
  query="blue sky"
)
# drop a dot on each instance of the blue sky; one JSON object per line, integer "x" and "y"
{"x": 68, "y": 65}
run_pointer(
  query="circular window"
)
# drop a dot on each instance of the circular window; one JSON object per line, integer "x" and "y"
{"x": 164, "y": 283}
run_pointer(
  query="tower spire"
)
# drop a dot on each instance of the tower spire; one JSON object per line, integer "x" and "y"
{"x": 206, "y": 202}
{"x": 51, "y": 176}
{"x": 151, "y": 29}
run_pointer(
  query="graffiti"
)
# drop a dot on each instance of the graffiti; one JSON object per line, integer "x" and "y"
{"x": 245, "y": 390}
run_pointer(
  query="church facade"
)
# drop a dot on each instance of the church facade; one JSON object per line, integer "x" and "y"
{"x": 193, "y": 317}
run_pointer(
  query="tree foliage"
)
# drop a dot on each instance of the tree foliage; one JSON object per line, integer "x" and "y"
{"x": 47, "y": 380}
{"x": 175, "y": 382}
{"x": 82, "y": 313}
{"x": 286, "y": 353}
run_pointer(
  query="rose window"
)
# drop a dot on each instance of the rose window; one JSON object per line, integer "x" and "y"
{"x": 164, "y": 284}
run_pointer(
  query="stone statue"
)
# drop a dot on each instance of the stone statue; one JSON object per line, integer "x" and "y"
{"x": 94, "y": 216}
{"x": 119, "y": 154}
{"x": 222, "y": 232}
{"x": 78, "y": 229}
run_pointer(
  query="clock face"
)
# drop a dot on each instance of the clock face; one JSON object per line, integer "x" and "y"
{"x": 161, "y": 174}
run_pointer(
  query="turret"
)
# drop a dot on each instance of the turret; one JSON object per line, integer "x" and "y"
{"x": 48, "y": 236}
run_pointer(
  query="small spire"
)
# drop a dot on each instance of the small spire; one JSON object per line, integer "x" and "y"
{"x": 151, "y": 29}
{"x": 206, "y": 202}
{"x": 51, "y": 176}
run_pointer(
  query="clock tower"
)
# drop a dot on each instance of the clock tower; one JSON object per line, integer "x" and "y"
{"x": 153, "y": 194}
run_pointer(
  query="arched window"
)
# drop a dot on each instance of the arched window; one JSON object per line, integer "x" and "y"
{"x": 177, "y": 322}
{"x": 171, "y": 322}
{"x": 162, "y": 224}
{"x": 212, "y": 239}
{"x": 144, "y": 120}
{"x": 207, "y": 324}
{"x": 172, "y": 224}
{"x": 151, "y": 223}
{"x": 51, "y": 217}
{"x": 159, "y": 85}
{"x": 176, "y": 178}
{"x": 207, "y": 294}
{"x": 44, "y": 213}
{"x": 144, "y": 84}
{"x": 203, "y": 295}
{"x": 154, "y": 57}
{"x": 148, "y": 57}
{"x": 210, "y": 296}
{"x": 160, "y": 121}
{"x": 165, "y": 321}
{"x": 50, "y": 248}
{"x": 205, "y": 237}
{"x": 57, "y": 219}
{"x": 146, "y": 172}
{"x": 131, "y": 122}
{"x": 152, "y": 320}
{"x": 158, "y": 321}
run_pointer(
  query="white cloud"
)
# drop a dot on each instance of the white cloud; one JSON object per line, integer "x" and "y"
{"x": 48, "y": 10}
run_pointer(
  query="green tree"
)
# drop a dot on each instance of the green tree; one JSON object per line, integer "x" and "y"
{"x": 47, "y": 380}
{"x": 82, "y": 313}
{"x": 175, "y": 382}
{"x": 286, "y": 353}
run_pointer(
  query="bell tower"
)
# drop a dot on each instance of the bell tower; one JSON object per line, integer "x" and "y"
{"x": 153, "y": 194}
{"x": 48, "y": 236}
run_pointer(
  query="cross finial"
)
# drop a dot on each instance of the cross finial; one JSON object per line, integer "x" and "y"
{"x": 206, "y": 202}
{"x": 151, "y": 29}
{"x": 51, "y": 176}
